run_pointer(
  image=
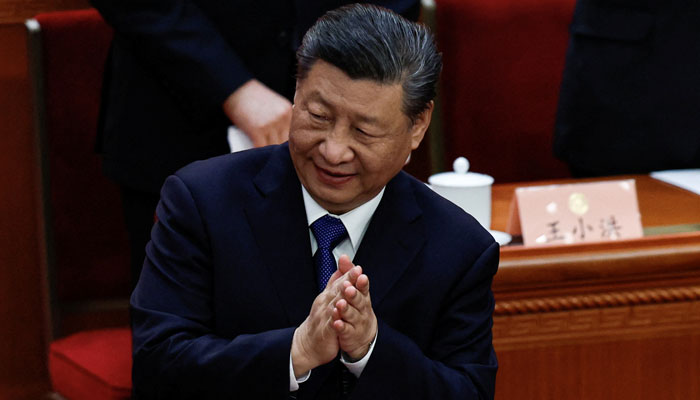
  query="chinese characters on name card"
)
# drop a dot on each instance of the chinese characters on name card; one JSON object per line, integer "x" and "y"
{"x": 577, "y": 213}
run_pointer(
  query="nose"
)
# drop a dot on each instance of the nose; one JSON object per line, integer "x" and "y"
{"x": 336, "y": 148}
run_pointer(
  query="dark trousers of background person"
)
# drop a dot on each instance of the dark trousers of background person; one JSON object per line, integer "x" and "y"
{"x": 629, "y": 91}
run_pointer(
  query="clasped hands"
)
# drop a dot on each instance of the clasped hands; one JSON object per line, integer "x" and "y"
{"x": 341, "y": 319}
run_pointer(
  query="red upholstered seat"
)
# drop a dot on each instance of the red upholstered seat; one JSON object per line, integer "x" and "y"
{"x": 88, "y": 256}
{"x": 93, "y": 365}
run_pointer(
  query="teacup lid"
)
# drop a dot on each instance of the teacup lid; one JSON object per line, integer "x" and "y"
{"x": 460, "y": 177}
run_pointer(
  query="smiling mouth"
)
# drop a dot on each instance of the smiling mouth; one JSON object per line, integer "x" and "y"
{"x": 333, "y": 178}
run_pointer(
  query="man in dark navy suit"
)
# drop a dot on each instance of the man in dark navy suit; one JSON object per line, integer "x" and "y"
{"x": 180, "y": 72}
{"x": 241, "y": 296}
{"x": 630, "y": 92}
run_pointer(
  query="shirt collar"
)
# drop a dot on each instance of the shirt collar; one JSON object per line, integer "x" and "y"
{"x": 356, "y": 220}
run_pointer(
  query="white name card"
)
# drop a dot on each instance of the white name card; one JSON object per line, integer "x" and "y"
{"x": 577, "y": 213}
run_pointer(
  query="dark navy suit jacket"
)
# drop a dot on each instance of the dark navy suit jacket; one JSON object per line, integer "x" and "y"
{"x": 630, "y": 92}
{"x": 173, "y": 63}
{"x": 229, "y": 276}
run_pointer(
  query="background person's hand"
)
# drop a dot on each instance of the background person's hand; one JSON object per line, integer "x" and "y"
{"x": 261, "y": 113}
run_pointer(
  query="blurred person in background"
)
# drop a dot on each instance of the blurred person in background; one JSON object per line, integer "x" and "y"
{"x": 630, "y": 95}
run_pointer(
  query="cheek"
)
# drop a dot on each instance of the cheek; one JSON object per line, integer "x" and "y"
{"x": 374, "y": 163}
{"x": 303, "y": 133}
{"x": 385, "y": 161}
{"x": 300, "y": 139}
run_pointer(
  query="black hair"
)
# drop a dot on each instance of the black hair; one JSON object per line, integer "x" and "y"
{"x": 370, "y": 42}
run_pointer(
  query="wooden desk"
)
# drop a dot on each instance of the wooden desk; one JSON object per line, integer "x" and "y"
{"x": 615, "y": 320}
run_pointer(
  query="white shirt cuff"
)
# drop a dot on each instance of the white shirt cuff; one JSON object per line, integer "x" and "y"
{"x": 293, "y": 381}
{"x": 357, "y": 367}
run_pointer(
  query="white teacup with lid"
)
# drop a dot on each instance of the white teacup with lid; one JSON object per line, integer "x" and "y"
{"x": 469, "y": 190}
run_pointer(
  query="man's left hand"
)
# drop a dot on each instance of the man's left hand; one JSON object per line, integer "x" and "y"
{"x": 354, "y": 320}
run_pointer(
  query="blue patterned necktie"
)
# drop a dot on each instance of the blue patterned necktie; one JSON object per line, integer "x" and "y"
{"x": 329, "y": 231}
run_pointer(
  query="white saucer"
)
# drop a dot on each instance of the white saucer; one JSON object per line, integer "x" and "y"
{"x": 501, "y": 237}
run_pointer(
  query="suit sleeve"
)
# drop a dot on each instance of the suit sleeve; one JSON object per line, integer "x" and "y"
{"x": 178, "y": 42}
{"x": 176, "y": 353}
{"x": 460, "y": 363}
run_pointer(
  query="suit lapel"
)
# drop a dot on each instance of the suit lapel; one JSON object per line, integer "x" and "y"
{"x": 394, "y": 236}
{"x": 278, "y": 222}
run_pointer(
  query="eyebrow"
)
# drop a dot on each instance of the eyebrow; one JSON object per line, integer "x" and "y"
{"x": 368, "y": 120}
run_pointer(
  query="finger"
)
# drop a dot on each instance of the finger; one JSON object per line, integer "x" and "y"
{"x": 362, "y": 284}
{"x": 354, "y": 297}
{"x": 350, "y": 315}
{"x": 270, "y": 136}
{"x": 349, "y": 292}
{"x": 275, "y": 135}
{"x": 354, "y": 273}
{"x": 257, "y": 137}
{"x": 336, "y": 315}
{"x": 339, "y": 326}
{"x": 333, "y": 315}
{"x": 283, "y": 134}
{"x": 350, "y": 277}
{"x": 336, "y": 274}
{"x": 344, "y": 264}
{"x": 336, "y": 284}
{"x": 357, "y": 299}
{"x": 341, "y": 305}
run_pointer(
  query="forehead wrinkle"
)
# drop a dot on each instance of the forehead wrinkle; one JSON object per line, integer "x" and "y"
{"x": 315, "y": 95}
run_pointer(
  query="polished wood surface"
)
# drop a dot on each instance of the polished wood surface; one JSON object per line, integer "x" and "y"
{"x": 613, "y": 320}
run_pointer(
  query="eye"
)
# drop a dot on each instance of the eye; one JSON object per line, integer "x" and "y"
{"x": 363, "y": 132}
{"x": 318, "y": 117}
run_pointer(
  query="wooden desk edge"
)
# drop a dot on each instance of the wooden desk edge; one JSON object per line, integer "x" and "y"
{"x": 576, "y": 265}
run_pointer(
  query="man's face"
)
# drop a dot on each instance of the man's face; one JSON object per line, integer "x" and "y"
{"x": 348, "y": 137}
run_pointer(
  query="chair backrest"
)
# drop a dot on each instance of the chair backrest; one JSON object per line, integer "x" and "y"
{"x": 88, "y": 247}
{"x": 503, "y": 63}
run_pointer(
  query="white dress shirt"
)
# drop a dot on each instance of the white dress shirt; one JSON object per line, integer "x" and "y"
{"x": 356, "y": 222}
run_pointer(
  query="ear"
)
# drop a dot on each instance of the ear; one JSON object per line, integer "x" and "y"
{"x": 296, "y": 91}
{"x": 421, "y": 125}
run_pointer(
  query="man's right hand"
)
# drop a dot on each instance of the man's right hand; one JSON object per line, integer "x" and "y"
{"x": 260, "y": 112}
{"x": 315, "y": 341}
